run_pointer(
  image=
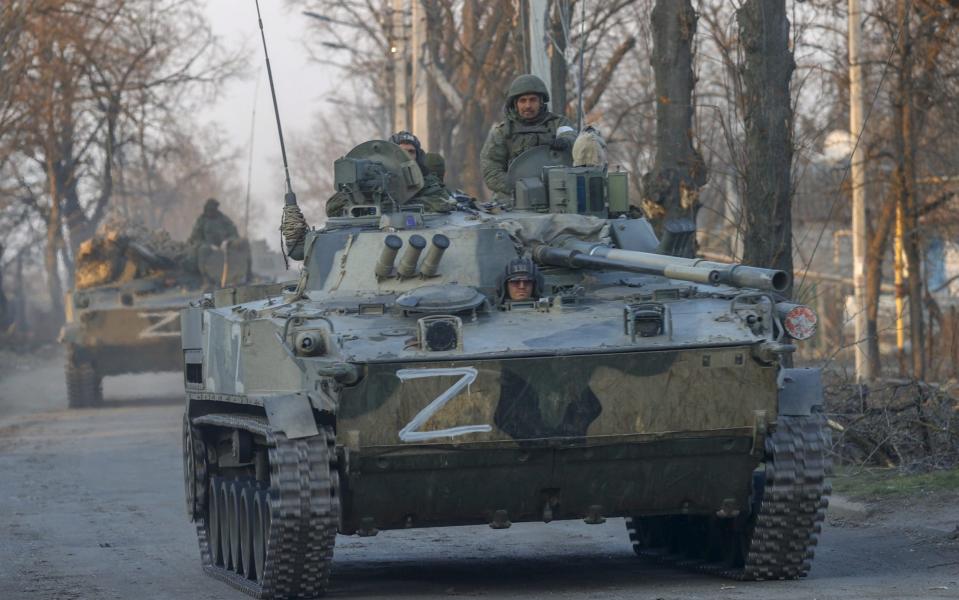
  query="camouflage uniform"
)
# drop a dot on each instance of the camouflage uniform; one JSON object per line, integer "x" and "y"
{"x": 434, "y": 196}
{"x": 212, "y": 227}
{"x": 435, "y": 164}
{"x": 514, "y": 135}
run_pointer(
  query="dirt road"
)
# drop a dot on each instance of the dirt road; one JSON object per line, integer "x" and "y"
{"x": 91, "y": 506}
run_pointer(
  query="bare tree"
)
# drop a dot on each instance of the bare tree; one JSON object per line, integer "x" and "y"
{"x": 767, "y": 70}
{"x": 671, "y": 189}
{"x": 97, "y": 74}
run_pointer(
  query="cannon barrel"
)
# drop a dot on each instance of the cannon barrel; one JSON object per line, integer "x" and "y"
{"x": 687, "y": 269}
{"x": 563, "y": 257}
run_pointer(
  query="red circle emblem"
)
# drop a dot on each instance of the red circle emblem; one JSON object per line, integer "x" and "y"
{"x": 800, "y": 322}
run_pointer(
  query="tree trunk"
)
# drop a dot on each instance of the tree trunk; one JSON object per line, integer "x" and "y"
{"x": 878, "y": 244}
{"x": 671, "y": 190}
{"x": 906, "y": 175}
{"x": 54, "y": 241}
{"x": 767, "y": 70}
{"x": 21, "y": 323}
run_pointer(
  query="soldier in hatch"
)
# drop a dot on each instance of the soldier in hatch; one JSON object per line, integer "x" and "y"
{"x": 521, "y": 281}
{"x": 434, "y": 196}
{"x": 528, "y": 124}
{"x": 212, "y": 227}
{"x": 207, "y": 243}
{"x": 432, "y": 165}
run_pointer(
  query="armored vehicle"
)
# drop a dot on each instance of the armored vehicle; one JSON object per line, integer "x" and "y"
{"x": 398, "y": 384}
{"x": 124, "y": 315}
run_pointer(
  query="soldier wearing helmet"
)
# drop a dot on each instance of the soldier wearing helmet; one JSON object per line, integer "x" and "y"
{"x": 412, "y": 146}
{"x": 528, "y": 124}
{"x": 430, "y": 163}
{"x": 212, "y": 227}
{"x": 521, "y": 281}
{"x": 433, "y": 196}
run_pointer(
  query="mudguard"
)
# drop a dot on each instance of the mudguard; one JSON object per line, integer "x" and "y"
{"x": 800, "y": 392}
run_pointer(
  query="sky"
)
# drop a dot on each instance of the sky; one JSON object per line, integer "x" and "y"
{"x": 300, "y": 89}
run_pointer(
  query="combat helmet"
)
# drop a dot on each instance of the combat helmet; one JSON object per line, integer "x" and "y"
{"x": 521, "y": 268}
{"x": 405, "y": 137}
{"x": 526, "y": 84}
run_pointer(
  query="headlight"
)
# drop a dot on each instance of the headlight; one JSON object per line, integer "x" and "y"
{"x": 309, "y": 343}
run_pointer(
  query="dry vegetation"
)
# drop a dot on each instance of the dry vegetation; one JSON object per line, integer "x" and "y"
{"x": 903, "y": 424}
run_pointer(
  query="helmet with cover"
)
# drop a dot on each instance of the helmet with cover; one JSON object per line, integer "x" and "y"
{"x": 523, "y": 85}
{"x": 521, "y": 269}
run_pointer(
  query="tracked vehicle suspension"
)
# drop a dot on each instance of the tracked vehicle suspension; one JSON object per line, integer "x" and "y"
{"x": 271, "y": 540}
{"x": 776, "y": 539}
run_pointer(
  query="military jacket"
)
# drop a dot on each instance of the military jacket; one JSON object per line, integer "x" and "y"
{"x": 510, "y": 138}
{"x": 213, "y": 230}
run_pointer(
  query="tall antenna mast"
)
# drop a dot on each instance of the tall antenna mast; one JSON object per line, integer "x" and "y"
{"x": 249, "y": 165}
{"x": 290, "y": 197}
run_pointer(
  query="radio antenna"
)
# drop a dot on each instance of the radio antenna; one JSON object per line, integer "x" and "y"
{"x": 290, "y": 197}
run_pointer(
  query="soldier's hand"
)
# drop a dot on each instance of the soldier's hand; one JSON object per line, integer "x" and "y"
{"x": 560, "y": 144}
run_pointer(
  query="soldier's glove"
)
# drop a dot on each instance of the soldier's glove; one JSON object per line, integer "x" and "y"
{"x": 560, "y": 144}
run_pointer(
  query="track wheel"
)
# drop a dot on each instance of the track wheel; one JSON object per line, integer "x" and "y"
{"x": 246, "y": 531}
{"x": 213, "y": 511}
{"x": 84, "y": 384}
{"x": 261, "y": 529}
{"x": 225, "y": 518}
{"x": 233, "y": 499}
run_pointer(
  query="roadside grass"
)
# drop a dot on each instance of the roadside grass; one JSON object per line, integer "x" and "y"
{"x": 865, "y": 484}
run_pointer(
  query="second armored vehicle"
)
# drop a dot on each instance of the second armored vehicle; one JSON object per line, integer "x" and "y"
{"x": 124, "y": 315}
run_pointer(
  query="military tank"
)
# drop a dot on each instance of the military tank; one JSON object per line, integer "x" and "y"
{"x": 398, "y": 385}
{"x": 124, "y": 314}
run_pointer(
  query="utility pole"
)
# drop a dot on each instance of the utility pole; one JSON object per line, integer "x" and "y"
{"x": 413, "y": 101}
{"x": 421, "y": 100}
{"x": 402, "y": 89}
{"x": 249, "y": 165}
{"x": 864, "y": 364}
{"x": 539, "y": 58}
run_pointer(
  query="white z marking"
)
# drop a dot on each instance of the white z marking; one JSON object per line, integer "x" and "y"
{"x": 410, "y": 433}
{"x": 154, "y": 329}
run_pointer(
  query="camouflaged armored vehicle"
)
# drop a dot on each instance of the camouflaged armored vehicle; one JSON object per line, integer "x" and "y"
{"x": 124, "y": 315}
{"x": 395, "y": 386}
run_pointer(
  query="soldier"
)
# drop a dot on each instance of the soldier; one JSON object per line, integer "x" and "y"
{"x": 430, "y": 163}
{"x": 411, "y": 145}
{"x": 212, "y": 227}
{"x": 521, "y": 281}
{"x": 435, "y": 164}
{"x": 207, "y": 248}
{"x": 528, "y": 124}
{"x": 434, "y": 196}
